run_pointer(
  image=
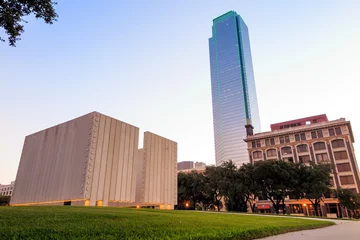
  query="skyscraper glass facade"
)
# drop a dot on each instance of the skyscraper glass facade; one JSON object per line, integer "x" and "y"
{"x": 233, "y": 88}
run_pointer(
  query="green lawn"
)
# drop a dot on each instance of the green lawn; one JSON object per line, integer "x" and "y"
{"x": 124, "y": 223}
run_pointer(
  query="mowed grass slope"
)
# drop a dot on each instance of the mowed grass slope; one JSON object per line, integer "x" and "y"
{"x": 123, "y": 223}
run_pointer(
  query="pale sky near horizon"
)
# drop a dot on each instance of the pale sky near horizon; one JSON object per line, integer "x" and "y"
{"x": 148, "y": 64}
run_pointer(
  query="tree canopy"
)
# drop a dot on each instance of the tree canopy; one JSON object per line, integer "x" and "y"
{"x": 12, "y": 13}
{"x": 238, "y": 188}
{"x": 350, "y": 200}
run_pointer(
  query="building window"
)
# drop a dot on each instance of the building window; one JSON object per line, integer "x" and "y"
{"x": 343, "y": 167}
{"x": 286, "y": 150}
{"x": 282, "y": 140}
{"x": 338, "y": 131}
{"x": 297, "y": 137}
{"x": 322, "y": 157}
{"x": 258, "y": 144}
{"x": 257, "y": 154}
{"x": 304, "y": 159}
{"x": 267, "y": 142}
{"x": 272, "y": 141}
{"x": 253, "y": 144}
{"x": 340, "y": 155}
{"x": 302, "y": 137}
{"x": 287, "y": 139}
{"x": 313, "y": 135}
{"x": 271, "y": 153}
{"x": 347, "y": 180}
{"x": 319, "y": 146}
{"x": 302, "y": 148}
{"x": 338, "y": 143}
{"x": 331, "y": 132}
{"x": 320, "y": 133}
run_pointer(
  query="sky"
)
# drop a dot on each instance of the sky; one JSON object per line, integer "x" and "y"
{"x": 147, "y": 63}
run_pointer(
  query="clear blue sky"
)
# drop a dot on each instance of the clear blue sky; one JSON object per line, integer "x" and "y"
{"x": 147, "y": 63}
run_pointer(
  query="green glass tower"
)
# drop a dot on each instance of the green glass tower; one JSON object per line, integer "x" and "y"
{"x": 233, "y": 88}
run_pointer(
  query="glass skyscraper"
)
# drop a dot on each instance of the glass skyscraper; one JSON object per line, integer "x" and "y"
{"x": 233, "y": 88}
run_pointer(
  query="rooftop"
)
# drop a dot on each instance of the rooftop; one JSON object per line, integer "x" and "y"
{"x": 301, "y": 128}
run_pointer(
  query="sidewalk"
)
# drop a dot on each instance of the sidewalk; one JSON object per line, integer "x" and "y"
{"x": 344, "y": 230}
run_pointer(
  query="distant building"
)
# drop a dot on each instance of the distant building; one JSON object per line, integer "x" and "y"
{"x": 185, "y": 165}
{"x": 200, "y": 165}
{"x": 189, "y": 166}
{"x": 7, "y": 190}
{"x": 91, "y": 160}
{"x": 233, "y": 88}
{"x": 321, "y": 141}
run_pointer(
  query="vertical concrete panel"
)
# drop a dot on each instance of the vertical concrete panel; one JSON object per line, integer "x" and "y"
{"x": 130, "y": 164}
{"x": 162, "y": 175}
{"x": 46, "y": 169}
{"x": 109, "y": 164}
{"x": 67, "y": 160}
{"x": 124, "y": 175}
{"x": 120, "y": 162}
{"x": 97, "y": 162}
{"x": 103, "y": 162}
{"x": 17, "y": 191}
{"x": 41, "y": 154}
{"x": 114, "y": 169}
{"x": 135, "y": 165}
{"x": 139, "y": 193}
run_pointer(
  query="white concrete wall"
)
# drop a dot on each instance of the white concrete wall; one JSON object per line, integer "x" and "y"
{"x": 159, "y": 172}
{"x": 92, "y": 157}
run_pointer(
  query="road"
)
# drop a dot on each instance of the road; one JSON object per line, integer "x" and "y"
{"x": 344, "y": 230}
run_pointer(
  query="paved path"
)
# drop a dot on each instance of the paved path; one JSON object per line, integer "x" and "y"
{"x": 343, "y": 230}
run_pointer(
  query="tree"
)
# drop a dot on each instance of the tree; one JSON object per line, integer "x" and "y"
{"x": 213, "y": 187}
{"x": 276, "y": 180}
{"x": 250, "y": 187}
{"x": 191, "y": 190}
{"x": 232, "y": 187}
{"x": 314, "y": 183}
{"x": 12, "y": 13}
{"x": 349, "y": 200}
{"x": 5, "y": 200}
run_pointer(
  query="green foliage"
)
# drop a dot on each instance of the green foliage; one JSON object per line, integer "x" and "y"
{"x": 12, "y": 13}
{"x": 314, "y": 182}
{"x": 239, "y": 187}
{"x": 350, "y": 200}
{"x": 84, "y": 223}
{"x": 276, "y": 180}
{"x": 5, "y": 200}
{"x": 191, "y": 190}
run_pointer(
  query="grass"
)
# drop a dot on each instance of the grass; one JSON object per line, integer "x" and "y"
{"x": 125, "y": 223}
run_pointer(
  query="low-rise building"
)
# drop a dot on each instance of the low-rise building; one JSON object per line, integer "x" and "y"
{"x": 7, "y": 190}
{"x": 317, "y": 140}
